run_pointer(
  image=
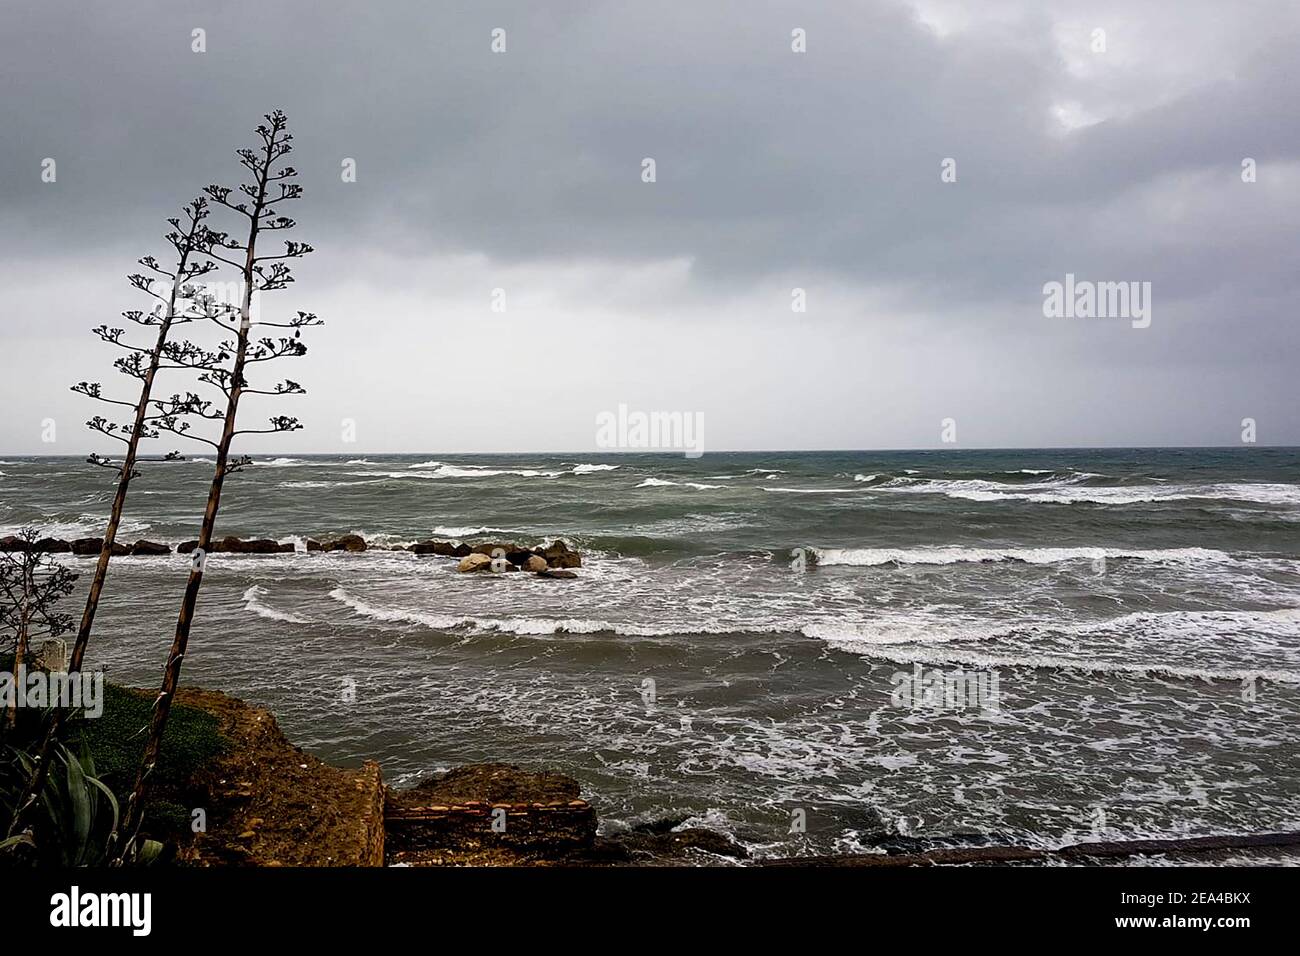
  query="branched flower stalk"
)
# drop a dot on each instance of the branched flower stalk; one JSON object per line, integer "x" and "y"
{"x": 259, "y": 274}
{"x": 176, "y": 294}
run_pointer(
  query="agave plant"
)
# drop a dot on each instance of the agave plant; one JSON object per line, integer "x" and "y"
{"x": 75, "y": 821}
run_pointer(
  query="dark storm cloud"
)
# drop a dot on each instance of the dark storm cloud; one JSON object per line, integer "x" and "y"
{"x": 770, "y": 164}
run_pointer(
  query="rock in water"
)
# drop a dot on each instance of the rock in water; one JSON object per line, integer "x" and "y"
{"x": 560, "y": 555}
{"x": 474, "y": 562}
{"x": 150, "y": 547}
{"x": 87, "y": 547}
{"x": 233, "y": 545}
{"x": 556, "y": 573}
{"x": 535, "y": 563}
{"x": 349, "y": 542}
{"x": 489, "y": 549}
{"x": 444, "y": 549}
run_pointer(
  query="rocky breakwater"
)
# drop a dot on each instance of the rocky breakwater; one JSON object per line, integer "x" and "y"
{"x": 82, "y": 547}
{"x": 233, "y": 545}
{"x": 555, "y": 560}
{"x": 550, "y": 561}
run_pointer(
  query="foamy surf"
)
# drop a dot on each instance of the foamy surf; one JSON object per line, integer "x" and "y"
{"x": 254, "y": 604}
{"x": 952, "y": 554}
{"x": 664, "y": 483}
{"x": 949, "y": 657}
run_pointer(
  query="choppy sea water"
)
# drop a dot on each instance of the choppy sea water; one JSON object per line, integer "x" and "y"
{"x": 734, "y": 649}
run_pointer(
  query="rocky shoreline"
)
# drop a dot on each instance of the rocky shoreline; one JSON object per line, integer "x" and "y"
{"x": 555, "y": 560}
{"x": 269, "y": 803}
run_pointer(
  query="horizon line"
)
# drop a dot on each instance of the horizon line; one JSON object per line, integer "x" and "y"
{"x": 680, "y": 453}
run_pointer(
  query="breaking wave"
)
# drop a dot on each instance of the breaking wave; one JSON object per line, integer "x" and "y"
{"x": 253, "y": 603}
{"x": 875, "y": 557}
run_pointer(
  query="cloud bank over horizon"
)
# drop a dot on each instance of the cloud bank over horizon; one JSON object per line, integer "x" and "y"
{"x": 775, "y": 170}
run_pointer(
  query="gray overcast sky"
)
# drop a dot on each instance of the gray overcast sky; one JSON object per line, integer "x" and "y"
{"x": 775, "y": 169}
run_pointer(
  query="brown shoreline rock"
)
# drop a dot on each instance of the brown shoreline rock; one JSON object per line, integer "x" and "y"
{"x": 86, "y": 547}
{"x": 493, "y": 814}
{"x": 234, "y": 545}
{"x": 560, "y": 555}
{"x": 443, "y": 549}
{"x": 348, "y": 542}
{"x": 142, "y": 547}
{"x": 271, "y": 804}
{"x": 474, "y": 562}
{"x": 491, "y": 549}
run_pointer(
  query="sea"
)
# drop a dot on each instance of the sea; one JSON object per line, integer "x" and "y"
{"x": 815, "y": 652}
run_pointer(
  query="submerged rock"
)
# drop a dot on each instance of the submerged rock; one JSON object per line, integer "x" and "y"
{"x": 557, "y": 573}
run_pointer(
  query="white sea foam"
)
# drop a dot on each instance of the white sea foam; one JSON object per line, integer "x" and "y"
{"x": 87, "y": 526}
{"x": 588, "y": 469}
{"x": 966, "y": 658}
{"x": 465, "y": 532}
{"x": 952, "y": 554}
{"x": 525, "y": 625}
{"x": 253, "y": 602}
{"x": 440, "y": 470}
{"x": 878, "y": 639}
{"x": 1064, "y": 491}
{"x": 279, "y": 462}
{"x": 663, "y": 483}
{"x": 394, "y": 615}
